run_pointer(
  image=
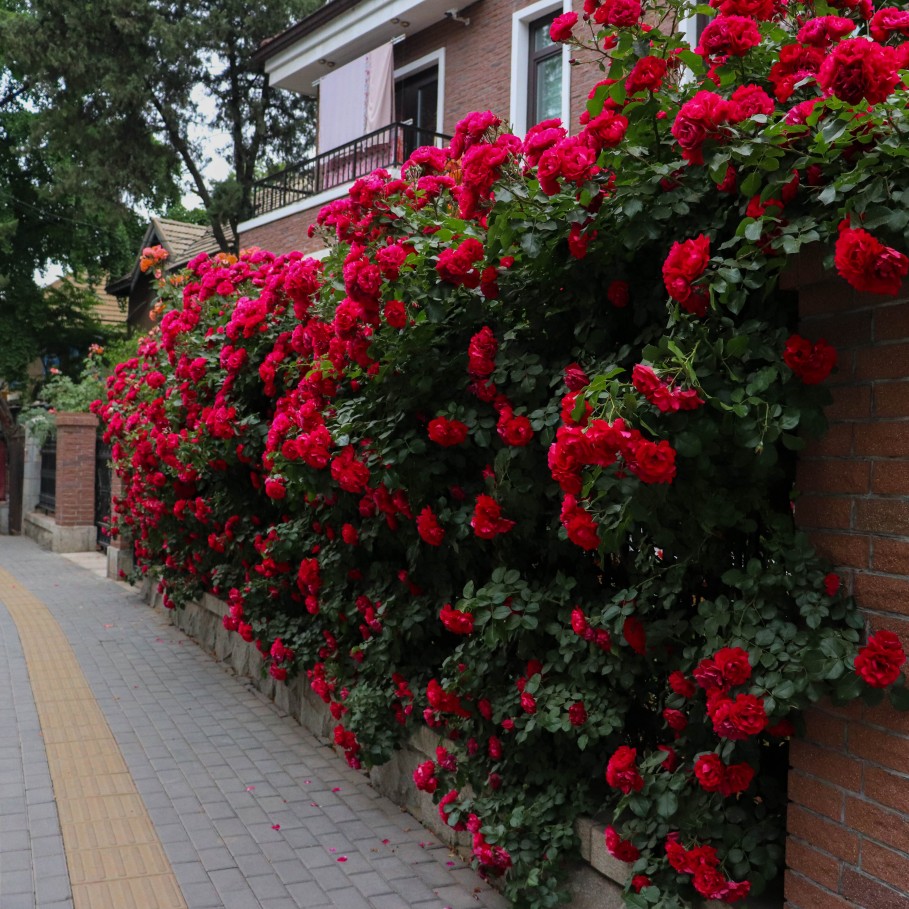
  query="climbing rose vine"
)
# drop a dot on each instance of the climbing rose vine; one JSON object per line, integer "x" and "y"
{"x": 515, "y": 461}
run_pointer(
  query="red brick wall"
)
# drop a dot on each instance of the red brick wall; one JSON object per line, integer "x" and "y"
{"x": 848, "y": 840}
{"x": 75, "y": 493}
{"x": 285, "y": 234}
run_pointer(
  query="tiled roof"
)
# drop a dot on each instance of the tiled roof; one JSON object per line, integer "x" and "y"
{"x": 108, "y": 311}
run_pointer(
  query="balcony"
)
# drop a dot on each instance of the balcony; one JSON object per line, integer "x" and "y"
{"x": 385, "y": 147}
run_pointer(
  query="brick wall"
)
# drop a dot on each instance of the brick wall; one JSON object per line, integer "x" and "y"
{"x": 848, "y": 825}
{"x": 285, "y": 234}
{"x": 75, "y": 493}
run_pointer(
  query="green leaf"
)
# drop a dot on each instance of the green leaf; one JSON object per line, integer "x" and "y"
{"x": 667, "y": 804}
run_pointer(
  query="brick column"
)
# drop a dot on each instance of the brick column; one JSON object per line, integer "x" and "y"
{"x": 75, "y": 492}
{"x": 848, "y": 824}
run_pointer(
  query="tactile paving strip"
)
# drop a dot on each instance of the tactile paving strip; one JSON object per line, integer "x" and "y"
{"x": 114, "y": 856}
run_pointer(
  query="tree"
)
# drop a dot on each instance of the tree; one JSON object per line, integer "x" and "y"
{"x": 122, "y": 89}
{"x": 46, "y": 217}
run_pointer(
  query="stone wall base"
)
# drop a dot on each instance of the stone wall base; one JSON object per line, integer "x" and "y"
{"x": 118, "y": 560}
{"x": 46, "y": 532}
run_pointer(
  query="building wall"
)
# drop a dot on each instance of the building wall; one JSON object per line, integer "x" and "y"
{"x": 849, "y": 784}
{"x": 477, "y": 77}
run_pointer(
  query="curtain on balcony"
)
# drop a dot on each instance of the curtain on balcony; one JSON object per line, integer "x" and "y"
{"x": 356, "y": 99}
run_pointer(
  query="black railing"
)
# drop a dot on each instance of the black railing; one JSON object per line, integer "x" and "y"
{"x": 103, "y": 492}
{"x": 47, "y": 493}
{"x": 386, "y": 147}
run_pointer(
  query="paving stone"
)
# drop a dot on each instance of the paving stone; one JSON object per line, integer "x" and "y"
{"x": 193, "y": 738}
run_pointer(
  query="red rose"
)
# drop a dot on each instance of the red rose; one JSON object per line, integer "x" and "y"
{"x": 623, "y": 850}
{"x": 747, "y": 101}
{"x": 878, "y": 663}
{"x": 686, "y": 262}
{"x": 646, "y": 75}
{"x": 734, "y": 664}
{"x": 731, "y": 36}
{"x": 561, "y": 27}
{"x": 487, "y": 521}
{"x": 738, "y": 778}
{"x": 481, "y": 353}
{"x": 710, "y": 772}
{"x": 620, "y": 13}
{"x": 456, "y": 621}
{"x": 860, "y": 69}
{"x": 579, "y": 525}
{"x": 395, "y": 314}
{"x": 653, "y": 462}
{"x": 796, "y": 64}
{"x": 639, "y": 882}
{"x": 577, "y": 714}
{"x": 429, "y": 528}
{"x": 575, "y": 377}
{"x": 680, "y": 685}
{"x": 621, "y": 771}
{"x": 826, "y": 30}
{"x": 738, "y": 719}
{"x": 700, "y": 118}
{"x": 812, "y": 363}
{"x": 634, "y": 633}
{"x": 885, "y": 22}
{"x": 349, "y": 473}
{"x": 274, "y": 488}
{"x": 514, "y": 430}
{"x": 866, "y": 264}
{"x": 831, "y": 584}
{"x": 446, "y": 432}
{"x": 671, "y": 762}
{"x": 424, "y": 777}
{"x": 456, "y": 266}
{"x": 675, "y": 719}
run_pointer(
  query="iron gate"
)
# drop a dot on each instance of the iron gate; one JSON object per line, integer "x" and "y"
{"x": 102, "y": 493}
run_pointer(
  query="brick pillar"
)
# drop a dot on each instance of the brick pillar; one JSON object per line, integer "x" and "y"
{"x": 75, "y": 491}
{"x": 848, "y": 843}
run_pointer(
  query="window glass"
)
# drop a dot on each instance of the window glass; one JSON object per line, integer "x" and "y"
{"x": 544, "y": 76}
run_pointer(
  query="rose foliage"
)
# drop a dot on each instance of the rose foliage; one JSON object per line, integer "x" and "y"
{"x": 516, "y": 460}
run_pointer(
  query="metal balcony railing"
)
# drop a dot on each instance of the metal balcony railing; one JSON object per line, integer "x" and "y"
{"x": 386, "y": 147}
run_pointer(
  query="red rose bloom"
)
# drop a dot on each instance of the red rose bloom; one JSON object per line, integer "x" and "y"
{"x": 456, "y": 266}
{"x": 456, "y": 621}
{"x": 738, "y": 719}
{"x": 646, "y": 75}
{"x": 826, "y": 30}
{"x": 579, "y": 525}
{"x": 737, "y": 779}
{"x": 514, "y": 430}
{"x": 831, "y": 584}
{"x": 446, "y": 432}
{"x": 886, "y": 22}
{"x": 575, "y": 377}
{"x": 561, "y": 27}
{"x": 481, "y": 353}
{"x": 810, "y": 362}
{"x": 424, "y": 777}
{"x": 734, "y": 664}
{"x": 620, "y": 13}
{"x": 623, "y": 850}
{"x": 429, "y": 528}
{"x": 487, "y": 521}
{"x": 686, "y": 262}
{"x": 729, "y": 36}
{"x": 634, "y": 633}
{"x": 621, "y": 771}
{"x": 700, "y": 118}
{"x": 680, "y": 685}
{"x": 710, "y": 772}
{"x": 577, "y": 714}
{"x": 859, "y": 69}
{"x": 866, "y": 264}
{"x": 878, "y": 663}
{"x": 653, "y": 462}
{"x": 395, "y": 314}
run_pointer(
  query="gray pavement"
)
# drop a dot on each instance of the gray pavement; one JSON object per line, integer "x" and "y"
{"x": 252, "y": 811}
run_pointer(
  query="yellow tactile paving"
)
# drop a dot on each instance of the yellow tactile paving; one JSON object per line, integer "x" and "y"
{"x": 114, "y": 857}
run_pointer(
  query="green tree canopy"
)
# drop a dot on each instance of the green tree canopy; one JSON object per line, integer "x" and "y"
{"x": 124, "y": 86}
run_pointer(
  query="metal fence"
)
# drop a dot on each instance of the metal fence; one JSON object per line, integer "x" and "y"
{"x": 385, "y": 147}
{"x": 102, "y": 492}
{"x": 47, "y": 495}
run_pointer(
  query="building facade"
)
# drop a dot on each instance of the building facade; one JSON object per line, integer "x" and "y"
{"x": 443, "y": 63}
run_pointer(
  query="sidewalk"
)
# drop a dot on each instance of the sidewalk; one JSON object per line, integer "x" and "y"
{"x": 137, "y": 773}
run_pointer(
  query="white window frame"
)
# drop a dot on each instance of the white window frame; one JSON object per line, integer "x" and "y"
{"x": 435, "y": 58}
{"x": 520, "y": 52}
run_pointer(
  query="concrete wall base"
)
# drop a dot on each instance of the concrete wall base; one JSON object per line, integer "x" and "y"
{"x": 46, "y": 532}
{"x": 118, "y": 560}
{"x": 4, "y": 517}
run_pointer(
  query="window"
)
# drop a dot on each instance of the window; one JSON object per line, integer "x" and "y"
{"x": 416, "y": 104}
{"x": 539, "y": 67}
{"x": 544, "y": 74}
